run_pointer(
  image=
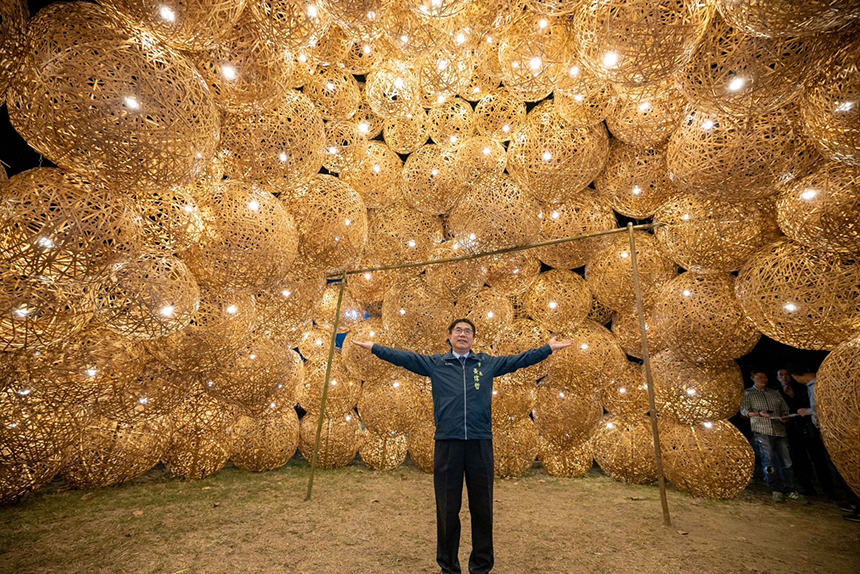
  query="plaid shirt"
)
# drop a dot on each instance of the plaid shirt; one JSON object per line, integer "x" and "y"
{"x": 766, "y": 400}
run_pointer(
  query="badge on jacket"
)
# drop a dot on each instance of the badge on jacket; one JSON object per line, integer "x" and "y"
{"x": 478, "y": 374}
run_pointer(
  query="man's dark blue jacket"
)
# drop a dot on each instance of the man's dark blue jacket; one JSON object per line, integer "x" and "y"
{"x": 462, "y": 395}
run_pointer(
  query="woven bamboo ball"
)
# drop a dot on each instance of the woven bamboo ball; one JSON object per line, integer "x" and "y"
{"x": 343, "y": 145}
{"x": 521, "y": 335}
{"x": 581, "y": 98}
{"x": 479, "y": 156}
{"x": 383, "y": 451}
{"x": 399, "y": 235}
{"x": 60, "y": 226}
{"x": 38, "y": 312}
{"x": 408, "y": 32}
{"x": 533, "y": 54}
{"x": 421, "y": 445}
{"x": 700, "y": 319}
{"x": 364, "y": 55}
{"x": 513, "y": 273}
{"x": 822, "y": 210}
{"x": 787, "y": 18}
{"x": 626, "y": 393}
{"x": 499, "y": 115}
{"x": 407, "y": 134}
{"x": 836, "y": 392}
{"x": 344, "y": 391}
{"x": 831, "y": 116}
{"x": 800, "y": 297}
{"x": 369, "y": 124}
{"x": 635, "y": 181}
{"x": 202, "y": 438}
{"x": 714, "y": 156}
{"x": 375, "y": 174}
{"x": 334, "y": 92}
{"x": 624, "y": 448}
{"x": 355, "y": 13}
{"x": 625, "y": 327}
{"x": 17, "y": 480}
{"x": 105, "y": 84}
{"x": 490, "y": 311}
{"x": 332, "y": 222}
{"x": 689, "y": 393}
{"x": 13, "y": 26}
{"x": 610, "y": 272}
{"x": 744, "y": 75}
{"x": 515, "y": 447}
{"x": 558, "y": 300}
{"x": 648, "y": 116}
{"x": 450, "y": 123}
{"x": 710, "y": 459}
{"x": 571, "y": 217}
{"x": 392, "y": 90}
{"x": 314, "y": 345}
{"x": 267, "y": 442}
{"x": 431, "y": 181}
{"x": 286, "y": 394}
{"x": 456, "y": 280}
{"x": 359, "y": 363}
{"x": 368, "y": 288}
{"x": 635, "y": 42}
{"x": 594, "y": 359}
{"x": 171, "y": 219}
{"x": 443, "y": 72}
{"x": 295, "y": 23}
{"x": 599, "y": 313}
{"x": 571, "y": 462}
{"x": 566, "y": 417}
{"x": 110, "y": 453}
{"x": 325, "y": 307}
{"x": 513, "y": 396}
{"x": 547, "y": 153}
{"x": 331, "y": 47}
{"x": 339, "y": 441}
{"x": 711, "y": 235}
{"x": 281, "y": 147}
{"x": 495, "y": 213}
{"x": 412, "y": 312}
{"x": 283, "y": 310}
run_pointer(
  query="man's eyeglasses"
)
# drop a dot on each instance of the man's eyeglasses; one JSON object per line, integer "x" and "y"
{"x": 459, "y": 331}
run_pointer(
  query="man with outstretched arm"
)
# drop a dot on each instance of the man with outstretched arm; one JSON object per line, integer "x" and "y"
{"x": 462, "y": 383}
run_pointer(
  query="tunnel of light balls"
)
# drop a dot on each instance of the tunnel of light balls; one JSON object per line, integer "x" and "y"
{"x": 164, "y": 288}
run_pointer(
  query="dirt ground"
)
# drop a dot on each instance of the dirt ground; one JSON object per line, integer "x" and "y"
{"x": 361, "y": 521}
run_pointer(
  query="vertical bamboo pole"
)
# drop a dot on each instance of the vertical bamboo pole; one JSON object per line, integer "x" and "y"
{"x": 332, "y": 344}
{"x": 646, "y": 357}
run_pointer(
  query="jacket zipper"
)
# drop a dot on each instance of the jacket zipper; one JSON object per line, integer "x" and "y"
{"x": 465, "y": 414}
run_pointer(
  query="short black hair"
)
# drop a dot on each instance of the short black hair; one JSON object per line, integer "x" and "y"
{"x": 757, "y": 371}
{"x": 797, "y": 369}
{"x": 464, "y": 320}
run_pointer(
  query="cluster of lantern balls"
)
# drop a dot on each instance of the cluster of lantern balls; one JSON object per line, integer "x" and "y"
{"x": 164, "y": 289}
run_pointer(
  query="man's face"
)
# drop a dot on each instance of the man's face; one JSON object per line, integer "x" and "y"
{"x": 760, "y": 380}
{"x": 461, "y": 338}
{"x": 783, "y": 377}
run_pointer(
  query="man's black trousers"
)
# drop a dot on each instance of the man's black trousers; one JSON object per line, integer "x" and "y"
{"x": 455, "y": 459}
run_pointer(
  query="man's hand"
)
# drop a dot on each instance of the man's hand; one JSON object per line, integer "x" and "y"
{"x": 363, "y": 344}
{"x": 556, "y": 345}
{"x": 764, "y": 414}
{"x": 783, "y": 419}
{"x": 804, "y": 412}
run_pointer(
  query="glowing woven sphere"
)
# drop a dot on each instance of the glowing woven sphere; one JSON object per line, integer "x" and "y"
{"x": 450, "y": 123}
{"x": 364, "y": 55}
{"x": 171, "y": 218}
{"x": 339, "y": 441}
{"x": 571, "y": 217}
{"x": 558, "y": 300}
{"x": 626, "y": 393}
{"x": 13, "y": 24}
{"x": 369, "y": 124}
{"x": 314, "y": 346}
{"x": 594, "y": 359}
{"x": 710, "y": 459}
{"x": 267, "y": 442}
{"x": 513, "y": 273}
{"x": 646, "y": 117}
{"x": 375, "y": 174}
{"x": 283, "y": 310}
{"x": 59, "y": 226}
{"x": 407, "y": 134}
{"x": 455, "y": 280}
{"x": 800, "y": 297}
{"x": 565, "y": 417}
{"x": 569, "y": 462}
{"x": 635, "y": 181}
{"x": 599, "y": 313}
{"x": 513, "y": 396}
{"x": 744, "y": 75}
{"x": 515, "y": 447}
{"x": 392, "y": 90}
{"x": 37, "y": 312}
{"x": 836, "y": 395}
{"x": 368, "y": 288}
{"x": 399, "y": 235}
{"x": 334, "y": 92}
{"x": 714, "y": 156}
{"x": 831, "y": 118}
{"x": 110, "y": 453}
{"x": 490, "y": 311}
{"x": 689, "y": 393}
{"x": 431, "y": 182}
{"x": 412, "y": 312}
{"x": 383, "y": 451}
{"x": 202, "y": 438}
{"x": 344, "y": 144}
{"x": 610, "y": 272}
{"x": 295, "y": 23}
{"x": 357, "y": 362}
{"x": 332, "y": 222}
{"x": 521, "y": 335}
{"x": 421, "y": 446}
{"x": 408, "y": 32}
{"x": 495, "y": 213}
{"x": 325, "y": 308}
{"x": 331, "y": 48}
{"x": 710, "y": 235}
{"x": 547, "y": 153}
{"x": 133, "y": 114}
{"x": 480, "y": 156}
{"x": 499, "y": 115}
{"x": 343, "y": 390}
{"x": 624, "y": 448}
{"x": 822, "y": 210}
{"x": 17, "y": 480}
{"x": 281, "y": 147}
{"x": 581, "y": 98}
{"x": 194, "y": 25}
{"x": 304, "y": 67}
{"x": 634, "y": 42}
{"x": 625, "y": 327}
{"x": 786, "y": 18}
{"x": 699, "y": 318}
{"x": 443, "y": 72}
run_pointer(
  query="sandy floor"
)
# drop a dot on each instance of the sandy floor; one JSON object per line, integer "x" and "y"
{"x": 362, "y": 521}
